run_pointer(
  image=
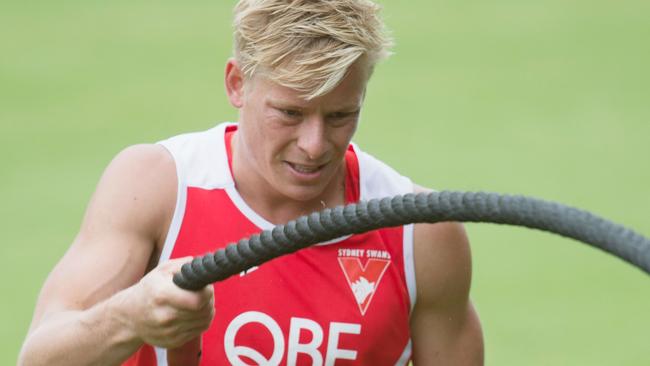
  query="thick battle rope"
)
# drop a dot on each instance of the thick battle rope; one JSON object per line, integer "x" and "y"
{"x": 415, "y": 208}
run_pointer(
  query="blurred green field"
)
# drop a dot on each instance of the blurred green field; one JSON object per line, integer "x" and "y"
{"x": 550, "y": 99}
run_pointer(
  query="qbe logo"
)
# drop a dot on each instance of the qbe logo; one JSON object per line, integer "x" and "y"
{"x": 234, "y": 353}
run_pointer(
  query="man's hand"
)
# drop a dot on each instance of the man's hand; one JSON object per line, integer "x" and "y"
{"x": 164, "y": 315}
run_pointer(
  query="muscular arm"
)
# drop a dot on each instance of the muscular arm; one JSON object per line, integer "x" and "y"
{"x": 444, "y": 325}
{"x": 93, "y": 307}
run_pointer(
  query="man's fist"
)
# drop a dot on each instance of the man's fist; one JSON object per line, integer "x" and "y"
{"x": 164, "y": 315}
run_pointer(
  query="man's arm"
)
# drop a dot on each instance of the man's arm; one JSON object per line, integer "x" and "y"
{"x": 444, "y": 325}
{"x": 95, "y": 307}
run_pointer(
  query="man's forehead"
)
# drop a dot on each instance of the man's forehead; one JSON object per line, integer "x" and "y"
{"x": 333, "y": 100}
{"x": 348, "y": 94}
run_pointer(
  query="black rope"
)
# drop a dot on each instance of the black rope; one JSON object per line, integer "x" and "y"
{"x": 415, "y": 208}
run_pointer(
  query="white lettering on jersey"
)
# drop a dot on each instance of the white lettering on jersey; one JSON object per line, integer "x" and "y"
{"x": 311, "y": 348}
{"x": 380, "y": 254}
{"x": 333, "y": 351}
{"x": 364, "y": 253}
{"x": 344, "y": 252}
{"x": 233, "y": 352}
{"x": 294, "y": 347}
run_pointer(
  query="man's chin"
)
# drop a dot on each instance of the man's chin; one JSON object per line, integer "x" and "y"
{"x": 303, "y": 193}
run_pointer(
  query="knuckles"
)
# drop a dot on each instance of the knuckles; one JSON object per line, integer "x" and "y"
{"x": 194, "y": 303}
{"x": 167, "y": 312}
{"x": 158, "y": 299}
{"x": 165, "y": 317}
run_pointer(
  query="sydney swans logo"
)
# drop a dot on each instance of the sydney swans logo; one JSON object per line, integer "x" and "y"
{"x": 363, "y": 278}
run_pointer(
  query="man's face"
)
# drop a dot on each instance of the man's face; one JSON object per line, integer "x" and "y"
{"x": 293, "y": 146}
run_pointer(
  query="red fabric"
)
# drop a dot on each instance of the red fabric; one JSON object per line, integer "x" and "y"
{"x": 309, "y": 284}
{"x": 302, "y": 294}
{"x": 230, "y": 131}
{"x": 352, "y": 193}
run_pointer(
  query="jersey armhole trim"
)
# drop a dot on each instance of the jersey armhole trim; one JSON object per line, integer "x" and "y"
{"x": 161, "y": 356}
{"x": 179, "y": 212}
{"x": 405, "y": 357}
{"x": 409, "y": 264}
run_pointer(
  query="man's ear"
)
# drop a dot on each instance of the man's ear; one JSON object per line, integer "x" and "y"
{"x": 234, "y": 80}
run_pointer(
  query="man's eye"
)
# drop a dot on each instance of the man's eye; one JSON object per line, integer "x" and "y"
{"x": 290, "y": 113}
{"x": 344, "y": 114}
{"x": 339, "y": 118}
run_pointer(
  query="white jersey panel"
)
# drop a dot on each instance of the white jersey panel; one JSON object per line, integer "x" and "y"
{"x": 200, "y": 158}
{"x": 378, "y": 180}
{"x": 201, "y": 161}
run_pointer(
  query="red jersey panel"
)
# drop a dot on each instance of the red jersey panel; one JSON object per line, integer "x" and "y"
{"x": 345, "y": 302}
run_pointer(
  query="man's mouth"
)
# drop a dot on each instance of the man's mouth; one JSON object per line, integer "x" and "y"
{"x": 305, "y": 169}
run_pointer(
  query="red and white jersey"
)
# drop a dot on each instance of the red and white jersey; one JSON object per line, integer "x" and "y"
{"x": 344, "y": 302}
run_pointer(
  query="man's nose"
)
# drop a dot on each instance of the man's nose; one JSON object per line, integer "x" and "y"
{"x": 312, "y": 139}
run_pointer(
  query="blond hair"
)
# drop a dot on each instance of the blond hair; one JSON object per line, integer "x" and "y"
{"x": 308, "y": 45}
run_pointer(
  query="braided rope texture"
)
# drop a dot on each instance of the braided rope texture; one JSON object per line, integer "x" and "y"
{"x": 431, "y": 207}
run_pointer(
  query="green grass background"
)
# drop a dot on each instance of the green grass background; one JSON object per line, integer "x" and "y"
{"x": 548, "y": 98}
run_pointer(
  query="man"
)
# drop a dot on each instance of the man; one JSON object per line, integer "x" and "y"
{"x": 298, "y": 79}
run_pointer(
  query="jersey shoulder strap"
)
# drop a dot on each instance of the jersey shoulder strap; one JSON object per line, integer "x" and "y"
{"x": 200, "y": 158}
{"x": 377, "y": 179}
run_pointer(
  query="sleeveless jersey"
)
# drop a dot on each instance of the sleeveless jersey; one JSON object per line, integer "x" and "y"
{"x": 344, "y": 302}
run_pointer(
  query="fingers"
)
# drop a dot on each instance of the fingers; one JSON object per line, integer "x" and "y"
{"x": 201, "y": 316}
{"x": 169, "y": 315}
{"x": 181, "y": 298}
{"x": 174, "y": 265}
{"x": 192, "y": 300}
{"x": 169, "y": 329}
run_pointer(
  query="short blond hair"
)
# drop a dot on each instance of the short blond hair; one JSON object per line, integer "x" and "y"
{"x": 308, "y": 45}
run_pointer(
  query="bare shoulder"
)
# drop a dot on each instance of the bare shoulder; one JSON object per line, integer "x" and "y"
{"x": 141, "y": 163}
{"x": 442, "y": 261}
{"x": 139, "y": 186}
{"x": 126, "y": 219}
{"x": 134, "y": 200}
